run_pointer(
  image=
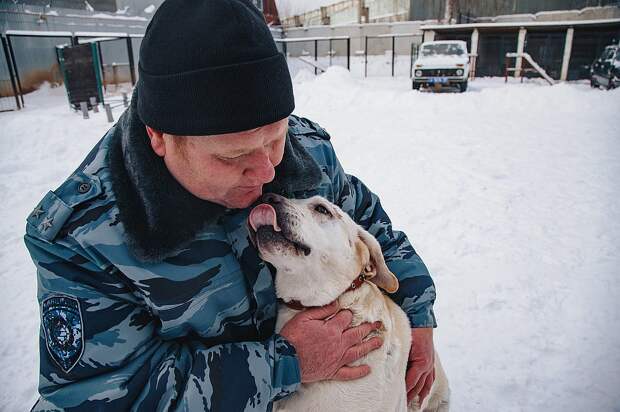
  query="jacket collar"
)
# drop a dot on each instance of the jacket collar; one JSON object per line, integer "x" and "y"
{"x": 159, "y": 216}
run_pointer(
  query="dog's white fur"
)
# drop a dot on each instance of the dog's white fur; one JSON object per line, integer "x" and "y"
{"x": 339, "y": 250}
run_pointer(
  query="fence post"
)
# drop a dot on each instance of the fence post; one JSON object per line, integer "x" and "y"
{"x": 11, "y": 74}
{"x": 132, "y": 69}
{"x": 108, "y": 112}
{"x": 115, "y": 75}
{"x": 348, "y": 53}
{"x": 330, "y": 51}
{"x": 316, "y": 55}
{"x": 84, "y": 108}
{"x": 411, "y": 62}
{"x": 393, "y": 53}
{"x": 94, "y": 104}
{"x": 365, "y": 56}
{"x": 19, "y": 82}
{"x": 103, "y": 80}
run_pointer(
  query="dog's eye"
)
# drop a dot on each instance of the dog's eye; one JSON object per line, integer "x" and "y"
{"x": 322, "y": 210}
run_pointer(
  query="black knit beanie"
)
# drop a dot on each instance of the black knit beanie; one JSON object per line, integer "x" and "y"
{"x": 210, "y": 67}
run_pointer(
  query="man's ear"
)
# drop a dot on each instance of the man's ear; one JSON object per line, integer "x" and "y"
{"x": 157, "y": 141}
{"x": 376, "y": 269}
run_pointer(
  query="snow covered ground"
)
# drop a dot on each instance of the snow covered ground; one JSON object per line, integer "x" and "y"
{"x": 508, "y": 192}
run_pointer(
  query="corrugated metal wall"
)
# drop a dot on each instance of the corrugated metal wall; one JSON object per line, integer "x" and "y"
{"x": 36, "y": 56}
{"x": 435, "y": 9}
{"x": 427, "y": 9}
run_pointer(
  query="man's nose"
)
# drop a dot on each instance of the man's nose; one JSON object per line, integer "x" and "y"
{"x": 259, "y": 168}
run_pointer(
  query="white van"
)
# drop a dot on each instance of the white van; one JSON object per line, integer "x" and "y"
{"x": 442, "y": 64}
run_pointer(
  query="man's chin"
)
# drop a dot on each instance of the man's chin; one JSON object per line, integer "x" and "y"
{"x": 245, "y": 200}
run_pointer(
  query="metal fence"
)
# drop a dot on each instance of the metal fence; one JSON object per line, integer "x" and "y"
{"x": 397, "y": 63}
{"x": 30, "y": 60}
{"x": 315, "y": 53}
{"x": 9, "y": 95}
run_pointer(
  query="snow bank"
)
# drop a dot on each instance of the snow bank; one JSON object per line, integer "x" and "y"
{"x": 508, "y": 192}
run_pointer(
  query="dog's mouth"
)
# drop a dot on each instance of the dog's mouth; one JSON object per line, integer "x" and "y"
{"x": 267, "y": 232}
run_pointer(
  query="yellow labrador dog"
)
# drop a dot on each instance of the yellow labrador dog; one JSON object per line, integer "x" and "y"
{"x": 322, "y": 255}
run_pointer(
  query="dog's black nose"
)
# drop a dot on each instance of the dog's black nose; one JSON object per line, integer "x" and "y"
{"x": 272, "y": 198}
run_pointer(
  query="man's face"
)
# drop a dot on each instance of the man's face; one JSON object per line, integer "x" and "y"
{"x": 228, "y": 169}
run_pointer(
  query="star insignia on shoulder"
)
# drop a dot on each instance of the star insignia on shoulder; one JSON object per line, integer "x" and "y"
{"x": 47, "y": 223}
{"x": 37, "y": 212}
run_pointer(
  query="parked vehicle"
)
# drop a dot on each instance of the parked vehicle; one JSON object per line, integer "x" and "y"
{"x": 605, "y": 71}
{"x": 442, "y": 64}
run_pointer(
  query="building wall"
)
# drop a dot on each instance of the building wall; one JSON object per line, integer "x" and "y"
{"x": 36, "y": 56}
{"x": 357, "y": 33}
{"x": 544, "y": 44}
{"x": 352, "y": 11}
{"x": 436, "y": 9}
{"x": 97, "y": 5}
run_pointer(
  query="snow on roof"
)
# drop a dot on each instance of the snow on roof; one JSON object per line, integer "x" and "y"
{"x": 99, "y": 34}
{"x": 398, "y": 35}
{"x": 38, "y": 33}
{"x": 107, "y": 16}
{"x": 445, "y": 42}
{"x": 520, "y": 24}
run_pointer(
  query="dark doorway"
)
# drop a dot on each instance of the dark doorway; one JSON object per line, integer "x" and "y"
{"x": 588, "y": 44}
{"x": 547, "y": 49}
{"x": 492, "y": 49}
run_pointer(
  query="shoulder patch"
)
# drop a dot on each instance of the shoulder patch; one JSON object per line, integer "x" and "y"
{"x": 48, "y": 217}
{"x": 61, "y": 319}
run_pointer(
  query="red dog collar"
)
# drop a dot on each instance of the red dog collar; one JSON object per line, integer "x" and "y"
{"x": 296, "y": 305}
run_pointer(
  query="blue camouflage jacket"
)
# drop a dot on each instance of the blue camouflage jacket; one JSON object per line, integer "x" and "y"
{"x": 152, "y": 299}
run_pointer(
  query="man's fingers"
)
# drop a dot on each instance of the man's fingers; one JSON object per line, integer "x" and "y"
{"x": 355, "y": 352}
{"x": 322, "y": 312}
{"x": 356, "y": 335}
{"x": 347, "y": 373}
{"x": 342, "y": 320}
{"x": 427, "y": 386}
{"x": 418, "y": 386}
{"x": 412, "y": 377}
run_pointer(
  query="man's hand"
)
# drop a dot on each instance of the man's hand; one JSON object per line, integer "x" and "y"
{"x": 325, "y": 347}
{"x": 421, "y": 367}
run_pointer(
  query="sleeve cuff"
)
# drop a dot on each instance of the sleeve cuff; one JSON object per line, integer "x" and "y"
{"x": 420, "y": 315}
{"x": 286, "y": 371}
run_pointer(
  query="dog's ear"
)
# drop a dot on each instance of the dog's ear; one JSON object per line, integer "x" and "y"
{"x": 376, "y": 269}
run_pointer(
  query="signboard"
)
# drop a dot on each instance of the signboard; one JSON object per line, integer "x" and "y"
{"x": 80, "y": 68}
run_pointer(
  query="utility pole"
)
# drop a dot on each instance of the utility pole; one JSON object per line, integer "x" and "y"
{"x": 447, "y": 16}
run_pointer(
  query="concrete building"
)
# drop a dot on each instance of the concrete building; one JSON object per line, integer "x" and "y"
{"x": 564, "y": 49}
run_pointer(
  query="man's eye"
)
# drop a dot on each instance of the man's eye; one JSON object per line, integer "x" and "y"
{"x": 322, "y": 210}
{"x": 230, "y": 158}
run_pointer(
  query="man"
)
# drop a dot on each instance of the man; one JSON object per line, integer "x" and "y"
{"x": 151, "y": 296}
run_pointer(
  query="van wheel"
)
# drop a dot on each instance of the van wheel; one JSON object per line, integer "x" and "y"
{"x": 593, "y": 83}
{"x": 416, "y": 86}
{"x": 463, "y": 87}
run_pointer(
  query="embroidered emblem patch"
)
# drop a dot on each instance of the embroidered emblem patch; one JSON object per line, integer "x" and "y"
{"x": 62, "y": 322}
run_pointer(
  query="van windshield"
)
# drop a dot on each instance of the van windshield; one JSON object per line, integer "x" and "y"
{"x": 446, "y": 49}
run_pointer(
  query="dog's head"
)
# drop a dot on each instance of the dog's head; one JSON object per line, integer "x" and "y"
{"x": 317, "y": 249}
